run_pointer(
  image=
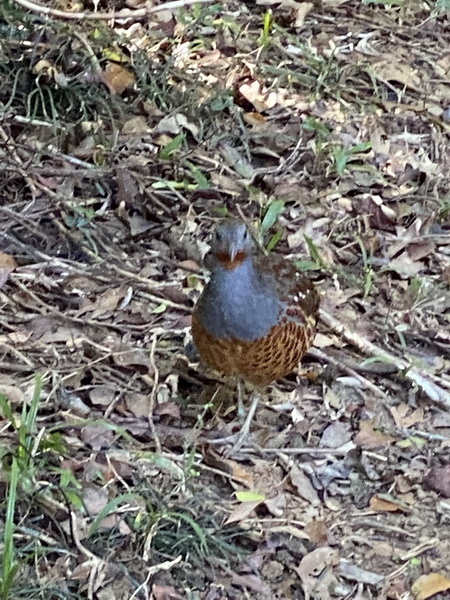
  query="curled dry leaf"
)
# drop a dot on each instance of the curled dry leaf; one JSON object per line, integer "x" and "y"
{"x": 136, "y": 125}
{"x": 258, "y": 96}
{"x": 171, "y": 409}
{"x": 174, "y": 124}
{"x": 325, "y": 341}
{"x": 7, "y": 265}
{"x": 239, "y": 473}
{"x": 276, "y": 505}
{"x": 405, "y": 266}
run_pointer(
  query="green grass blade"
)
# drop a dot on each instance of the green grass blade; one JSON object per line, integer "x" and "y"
{"x": 9, "y": 567}
{"x": 314, "y": 253}
{"x": 108, "y": 509}
{"x": 274, "y": 210}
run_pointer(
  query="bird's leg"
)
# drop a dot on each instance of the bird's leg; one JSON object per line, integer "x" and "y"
{"x": 245, "y": 429}
{"x": 241, "y": 412}
{"x": 239, "y": 438}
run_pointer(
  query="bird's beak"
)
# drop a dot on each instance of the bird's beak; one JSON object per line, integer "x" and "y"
{"x": 233, "y": 252}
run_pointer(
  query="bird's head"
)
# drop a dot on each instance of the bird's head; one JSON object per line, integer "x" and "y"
{"x": 231, "y": 244}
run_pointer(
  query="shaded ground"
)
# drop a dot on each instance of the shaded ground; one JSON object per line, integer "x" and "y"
{"x": 121, "y": 143}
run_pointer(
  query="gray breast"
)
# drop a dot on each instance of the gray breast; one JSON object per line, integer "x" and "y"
{"x": 237, "y": 304}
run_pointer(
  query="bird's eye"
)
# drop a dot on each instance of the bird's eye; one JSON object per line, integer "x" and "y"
{"x": 218, "y": 236}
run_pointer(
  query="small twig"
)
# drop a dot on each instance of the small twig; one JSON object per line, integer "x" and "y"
{"x": 154, "y": 391}
{"x": 148, "y": 282}
{"x": 420, "y": 549}
{"x": 423, "y": 380}
{"x": 425, "y": 434}
{"x": 343, "y": 451}
{"x": 360, "y": 519}
{"x": 17, "y": 353}
{"x": 125, "y": 14}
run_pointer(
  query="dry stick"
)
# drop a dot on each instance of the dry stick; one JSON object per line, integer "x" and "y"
{"x": 121, "y": 14}
{"x": 154, "y": 391}
{"x": 337, "y": 363}
{"x": 430, "y": 388}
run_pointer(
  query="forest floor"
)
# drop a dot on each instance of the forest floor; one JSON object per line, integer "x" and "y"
{"x": 122, "y": 142}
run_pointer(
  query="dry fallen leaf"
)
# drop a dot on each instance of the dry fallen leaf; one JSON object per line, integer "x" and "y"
{"x": 104, "y": 303}
{"x": 405, "y": 266}
{"x": 354, "y": 573}
{"x": 98, "y": 437}
{"x": 315, "y": 569}
{"x": 258, "y": 96}
{"x": 318, "y": 532}
{"x": 136, "y": 125}
{"x": 303, "y": 485}
{"x": 14, "y": 394}
{"x": 324, "y": 341}
{"x": 276, "y": 505}
{"x": 95, "y": 499}
{"x": 171, "y": 409}
{"x": 102, "y": 395}
{"x": 429, "y": 585}
{"x": 126, "y": 356}
{"x": 256, "y": 120}
{"x": 165, "y": 592}
{"x": 403, "y": 419}
{"x": 380, "y": 505}
{"x": 335, "y": 435}
{"x": 117, "y": 78}
{"x": 7, "y": 265}
{"x": 240, "y": 473}
{"x": 438, "y": 479}
{"x": 175, "y": 124}
{"x": 369, "y": 438}
{"x": 242, "y": 511}
{"x": 391, "y": 70}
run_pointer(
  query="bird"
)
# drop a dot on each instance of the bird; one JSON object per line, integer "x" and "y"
{"x": 257, "y": 315}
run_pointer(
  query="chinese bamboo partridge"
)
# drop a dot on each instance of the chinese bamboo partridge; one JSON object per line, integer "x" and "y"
{"x": 256, "y": 317}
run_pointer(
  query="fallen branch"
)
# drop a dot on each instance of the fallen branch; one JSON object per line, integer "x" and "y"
{"x": 432, "y": 389}
{"x": 125, "y": 14}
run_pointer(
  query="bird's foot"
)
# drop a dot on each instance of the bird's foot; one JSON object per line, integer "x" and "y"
{"x": 238, "y": 439}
